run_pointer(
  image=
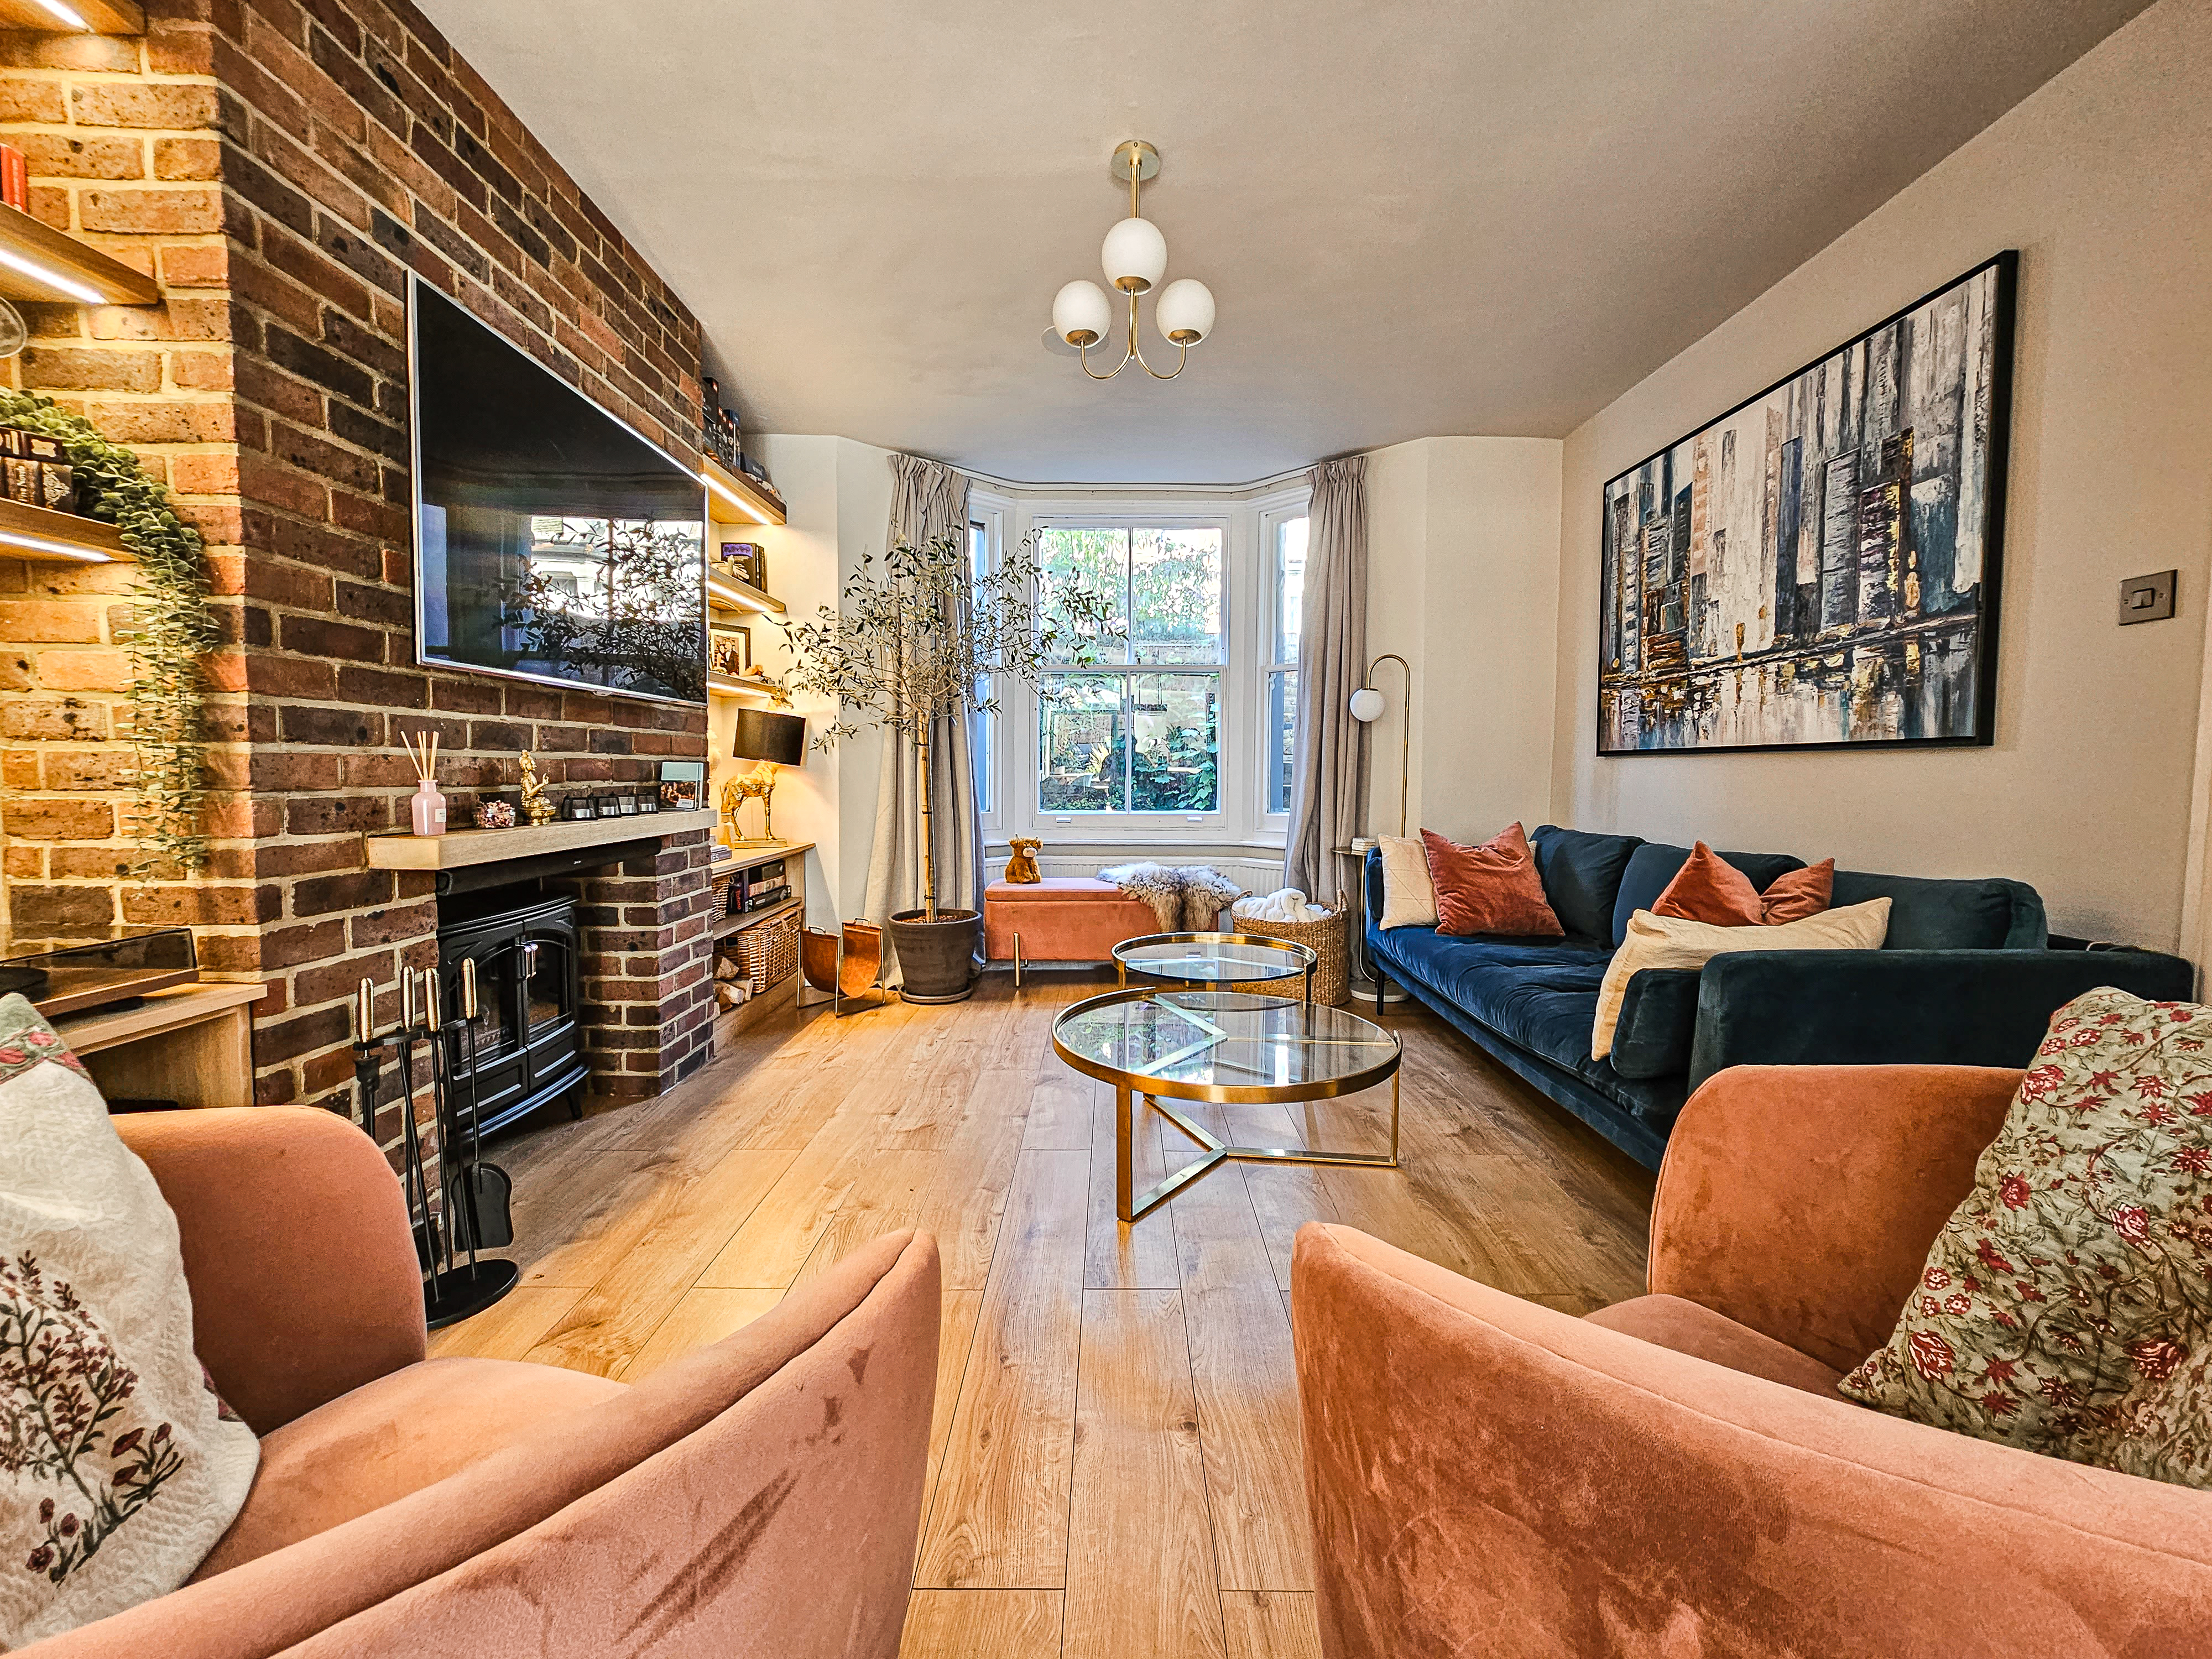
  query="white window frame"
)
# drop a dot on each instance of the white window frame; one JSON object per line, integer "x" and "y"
{"x": 1239, "y": 823}
{"x": 1272, "y": 516}
{"x": 992, "y": 511}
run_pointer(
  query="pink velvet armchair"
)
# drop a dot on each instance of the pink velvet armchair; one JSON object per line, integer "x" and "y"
{"x": 1676, "y": 1476}
{"x": 757, "y": 1497}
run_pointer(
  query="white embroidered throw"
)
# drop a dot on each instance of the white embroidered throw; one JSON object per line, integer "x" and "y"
{"x": 119, "y": 1465}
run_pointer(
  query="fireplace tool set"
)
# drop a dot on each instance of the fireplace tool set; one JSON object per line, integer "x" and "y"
{"x": 476, "y": 1208}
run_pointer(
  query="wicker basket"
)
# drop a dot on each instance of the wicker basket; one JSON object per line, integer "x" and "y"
{"x": 1328, "y": 939}
{"x": 769, "y": 952}
{"x": 720, "y": 887}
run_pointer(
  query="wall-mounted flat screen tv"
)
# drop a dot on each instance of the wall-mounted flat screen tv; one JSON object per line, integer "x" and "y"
{"x": 552, "y": 542}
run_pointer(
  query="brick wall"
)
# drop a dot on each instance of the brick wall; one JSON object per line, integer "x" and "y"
{"x": 340, "y": 146}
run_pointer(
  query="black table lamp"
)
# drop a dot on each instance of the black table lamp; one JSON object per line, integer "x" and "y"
{"x": 775, "y": 740}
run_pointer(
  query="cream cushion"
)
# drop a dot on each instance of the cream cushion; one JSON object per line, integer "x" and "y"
{"x": 1409, "y": 897}
{"x": 1676, "y": 942}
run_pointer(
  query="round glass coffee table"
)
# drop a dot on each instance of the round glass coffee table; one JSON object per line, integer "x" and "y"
{"x": 1224, "y": 1046}
{"x": 1216, "y": 961}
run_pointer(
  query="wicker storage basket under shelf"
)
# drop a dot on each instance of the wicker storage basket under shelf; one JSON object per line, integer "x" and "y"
{"x": 1328, "y": 939}
{"x": 769, "y": 952}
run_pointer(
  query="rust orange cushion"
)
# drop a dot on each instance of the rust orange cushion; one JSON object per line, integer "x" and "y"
{"x": 1710, "y": 889}
{"x": 1490, "y": 888}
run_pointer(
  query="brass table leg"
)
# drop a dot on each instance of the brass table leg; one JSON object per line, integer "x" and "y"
{"x": 1216, "y": 1150}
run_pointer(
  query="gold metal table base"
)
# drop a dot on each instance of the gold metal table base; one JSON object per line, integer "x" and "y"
{"x": 1132, "y": 1206}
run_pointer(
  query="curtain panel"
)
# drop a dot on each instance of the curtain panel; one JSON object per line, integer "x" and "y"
{"x": 1328, "y": 749}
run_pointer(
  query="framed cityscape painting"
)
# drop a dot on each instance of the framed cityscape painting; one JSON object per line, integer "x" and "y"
{"x": 1818, "y": 567}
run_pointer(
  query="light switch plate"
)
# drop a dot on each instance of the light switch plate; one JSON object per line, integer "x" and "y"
{"x": 2147, "y": 598}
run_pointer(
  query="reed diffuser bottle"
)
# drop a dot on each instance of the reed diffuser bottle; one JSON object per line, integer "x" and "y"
{"x": 429, "y": 806}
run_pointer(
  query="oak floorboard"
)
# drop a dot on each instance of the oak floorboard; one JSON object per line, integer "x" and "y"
{"x": 699, "y": 1317}
{"x": 1139, "y": 1254}
{"x": 983, "y": 1623}
{"x": 768, "y": 1251}
{"x": 1140, "y": 1560}
{"x": 1270, "y": 1625}
{"x": 958, "y": 1314}
{"x": 1000, "y": 1516}
{"x": 510, "y": 1328}
{"x": 1245, "y": 1381}
{"x": 605, "y": 1330}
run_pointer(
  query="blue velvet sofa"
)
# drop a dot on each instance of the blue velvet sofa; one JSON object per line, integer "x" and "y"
{"x": 1968, "y": 976}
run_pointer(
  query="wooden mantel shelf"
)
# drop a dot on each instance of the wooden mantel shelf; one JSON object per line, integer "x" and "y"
{"x": 457, "y": 848}
{"x": 86, "y": 276}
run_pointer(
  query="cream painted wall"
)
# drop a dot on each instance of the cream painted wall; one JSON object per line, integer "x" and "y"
{"x": 1463, "y": 537}
{"x": 2103, "y": 180}
{"x": 837, "y": 494}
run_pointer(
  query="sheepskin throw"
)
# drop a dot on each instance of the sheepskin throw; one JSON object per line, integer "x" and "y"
{"x": 122, "y": 1467}
{"x": 1186, "y": 898}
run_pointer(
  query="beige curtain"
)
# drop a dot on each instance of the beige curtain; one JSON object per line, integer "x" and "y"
{"x": 929, "y": 501}
{"x": 1328, "y": 756}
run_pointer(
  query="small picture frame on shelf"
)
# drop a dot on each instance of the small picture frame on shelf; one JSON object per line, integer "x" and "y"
{"x": 682, "y": 784}
{"x": 729, "y": 650}
{"x": 747, "y": 562}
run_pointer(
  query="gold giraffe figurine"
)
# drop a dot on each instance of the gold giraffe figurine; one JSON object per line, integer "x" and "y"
{"x": 758, "y": 784}
{"x": 535, "y": 805}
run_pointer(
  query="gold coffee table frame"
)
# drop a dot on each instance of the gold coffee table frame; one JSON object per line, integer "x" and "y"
{"x": 1131, "y": 1205}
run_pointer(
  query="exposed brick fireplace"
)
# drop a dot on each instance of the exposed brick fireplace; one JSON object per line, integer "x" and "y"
{"x": 279, "y": 167}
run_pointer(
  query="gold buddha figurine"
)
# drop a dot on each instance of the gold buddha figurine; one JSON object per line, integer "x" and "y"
{"x": 535, "y": 805}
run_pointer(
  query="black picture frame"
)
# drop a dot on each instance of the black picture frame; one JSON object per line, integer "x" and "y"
{"x": 1934, "y": 683}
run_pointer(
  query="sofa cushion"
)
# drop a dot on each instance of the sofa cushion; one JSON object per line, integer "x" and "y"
{"x": 391, "y": 1438}
{"x": 1490, "y": 888}
{"x": 2061, "y": 1308}
{"x": 1582, "y": 874}
{"x": 1991, "y": 913}
{"x": 1652, "y": 866}
{"x": 1690, "y": 1327}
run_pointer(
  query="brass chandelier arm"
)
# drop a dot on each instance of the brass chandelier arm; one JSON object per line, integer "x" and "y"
{"x": 1132, "y": 351}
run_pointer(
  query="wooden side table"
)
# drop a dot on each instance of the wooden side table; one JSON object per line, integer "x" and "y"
{"x": 192, "y": 1044}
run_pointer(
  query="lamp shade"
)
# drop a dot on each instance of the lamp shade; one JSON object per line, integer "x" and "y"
{"x": 1080, "y": 310}
{"x": 1367, "y": 704}
{"x": 1135, "y": 255}
{"x": 766, "y": 736}
{"x": 1185, "y": 311}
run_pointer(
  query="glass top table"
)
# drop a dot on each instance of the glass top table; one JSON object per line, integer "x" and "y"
{"x": 1227, "y": 1047}
{"x": 1216, "y": 960}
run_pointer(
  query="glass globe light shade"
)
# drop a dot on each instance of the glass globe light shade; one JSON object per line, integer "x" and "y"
{"x": 1081, "y": 313}
{"x": 1135, "y": 255}
{"x": 1184, "y": 312}
{"x": 1367, "y": 704}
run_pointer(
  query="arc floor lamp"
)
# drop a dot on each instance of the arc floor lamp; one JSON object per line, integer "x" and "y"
{"x": 1368, "y": 706}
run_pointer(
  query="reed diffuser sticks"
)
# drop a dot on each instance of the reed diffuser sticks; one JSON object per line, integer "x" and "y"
{"x": 429, "y": 806}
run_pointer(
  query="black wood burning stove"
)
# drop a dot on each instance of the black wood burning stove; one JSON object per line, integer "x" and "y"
{"x": 529, "y": 1046}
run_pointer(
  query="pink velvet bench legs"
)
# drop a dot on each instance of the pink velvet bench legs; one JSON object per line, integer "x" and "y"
{"x": 1059, "y": 918}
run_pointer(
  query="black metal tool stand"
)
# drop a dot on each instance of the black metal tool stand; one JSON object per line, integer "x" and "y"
{"x": 453, "y": 1289}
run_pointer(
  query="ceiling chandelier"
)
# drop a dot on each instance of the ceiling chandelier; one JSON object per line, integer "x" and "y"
{"x": 1135, "y": 258}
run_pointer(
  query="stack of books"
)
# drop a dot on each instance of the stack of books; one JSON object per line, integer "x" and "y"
{"x": 760, "y": 888}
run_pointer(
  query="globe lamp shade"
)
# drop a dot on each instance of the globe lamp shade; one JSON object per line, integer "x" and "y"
{"x": 1185, "y": 311}
{"x": 1135, "y": 255}
{"x": 1081, "y": 313}
{"x": 1367, "y": 704}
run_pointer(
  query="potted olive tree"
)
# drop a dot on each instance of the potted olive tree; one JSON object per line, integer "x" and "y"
{"x": 921, "y": 636}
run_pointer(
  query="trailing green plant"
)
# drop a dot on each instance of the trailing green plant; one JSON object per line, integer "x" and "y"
{"x": 172, "y": 627}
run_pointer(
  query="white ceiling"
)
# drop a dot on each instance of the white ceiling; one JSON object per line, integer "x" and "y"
{"x": 1421, "y": 218}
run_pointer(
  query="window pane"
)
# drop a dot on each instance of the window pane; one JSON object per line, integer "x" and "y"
{"x": 1281, "y": 735}
{"x": 1081, "y": 734}
{"x": 1176, "y": 720}
{"x": 1099, "y": 558}
{"x": 1175, "y": 596}
{"x": 1290, "y": 587}
{"x": 983, "y": 730}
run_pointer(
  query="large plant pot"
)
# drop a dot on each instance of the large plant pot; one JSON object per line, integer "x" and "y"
{"x": 936, "y": 959}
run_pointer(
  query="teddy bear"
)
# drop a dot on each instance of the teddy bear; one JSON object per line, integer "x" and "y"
{"x": 1021, "y": 864}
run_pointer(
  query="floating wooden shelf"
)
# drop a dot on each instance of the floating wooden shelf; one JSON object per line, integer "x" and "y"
{"x": 74, "y": 271}
{"x": 101, "y": 16}
{"x": 457, "y": 848}
{"x": 743, "y": 690}
{"x": 729, "y": 925}
{"x": 730, "y": 596}
{"x": 40, "y": 533}
{"x": 733, "y": 498}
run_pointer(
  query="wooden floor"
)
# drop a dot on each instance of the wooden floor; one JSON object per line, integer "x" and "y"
{"x": 1113, "y": 1464}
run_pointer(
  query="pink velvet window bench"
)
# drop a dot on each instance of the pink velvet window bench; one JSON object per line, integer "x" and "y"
{"x": 1059, "y": 918}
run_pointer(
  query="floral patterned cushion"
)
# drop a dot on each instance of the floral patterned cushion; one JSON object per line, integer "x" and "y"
{"x": 120, "y": 1465}
{"x": 2066, "y": 1308}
